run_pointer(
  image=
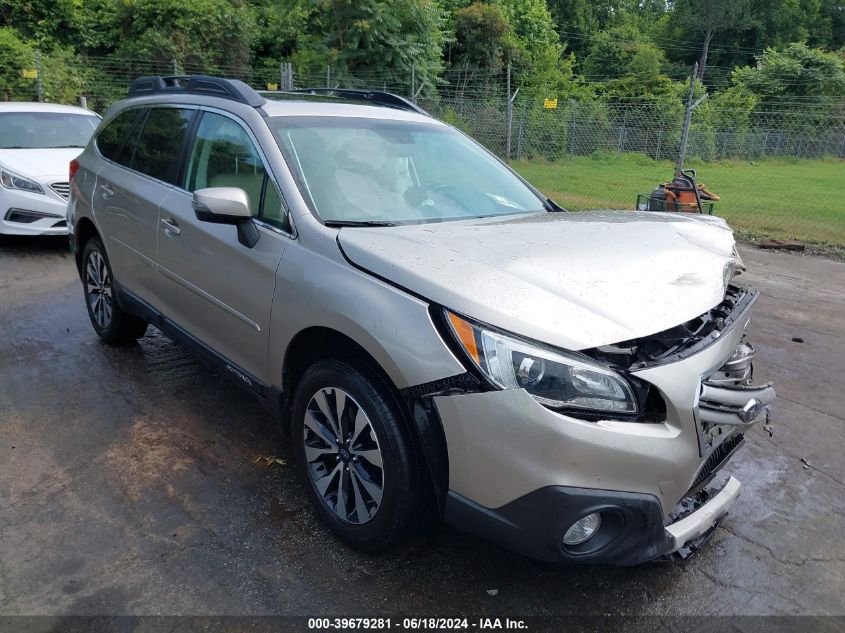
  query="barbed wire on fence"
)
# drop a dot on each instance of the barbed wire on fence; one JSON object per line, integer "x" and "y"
{"x": 476, "y": 101}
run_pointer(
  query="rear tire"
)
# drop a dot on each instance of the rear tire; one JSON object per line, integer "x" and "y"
{"x": 360, "y": 467}
{"x": 110, "y": 321}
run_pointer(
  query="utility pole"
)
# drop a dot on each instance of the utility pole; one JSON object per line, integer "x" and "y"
{"x": 691, "y": 105}
{"x": 39, "y": 79}
{"x": 285, "y": 76}
{"x": 328, "y": 76}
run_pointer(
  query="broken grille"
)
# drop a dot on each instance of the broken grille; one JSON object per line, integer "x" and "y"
{"x": 680, "y": 341}
{"x": 716, "y": 460}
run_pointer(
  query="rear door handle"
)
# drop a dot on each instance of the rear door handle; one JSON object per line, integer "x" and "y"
{"x": 108, "y": 192}
{"x": 171, "y": 227}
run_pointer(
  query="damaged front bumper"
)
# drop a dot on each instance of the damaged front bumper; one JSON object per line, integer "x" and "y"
{"x": 520, "y": 474}
{"x": 685, "y": 533}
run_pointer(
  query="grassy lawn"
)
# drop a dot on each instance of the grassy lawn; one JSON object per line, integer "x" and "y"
{"x": 800, "y": 199}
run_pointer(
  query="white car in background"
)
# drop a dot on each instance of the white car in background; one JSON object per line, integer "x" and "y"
{"x": 37, "y": 143}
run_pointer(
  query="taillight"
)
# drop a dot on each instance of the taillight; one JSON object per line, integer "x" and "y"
{"x": 74, "y": 167}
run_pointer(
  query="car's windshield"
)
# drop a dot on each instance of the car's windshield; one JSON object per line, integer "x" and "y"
{"x": 41, "y": 130}
{"x": 376, "y": 171}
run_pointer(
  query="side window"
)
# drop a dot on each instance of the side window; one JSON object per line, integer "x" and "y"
{"x": 223, "y": 155}
{"x": 110, "y": 139}
{"x": 157, "y": 152}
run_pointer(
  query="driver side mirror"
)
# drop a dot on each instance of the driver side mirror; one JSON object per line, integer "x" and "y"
{"x": 227, "y": 205}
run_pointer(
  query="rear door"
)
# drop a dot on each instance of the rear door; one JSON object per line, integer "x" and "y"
{"x": 212, "y": 286}
{"x": 136, "y": 176}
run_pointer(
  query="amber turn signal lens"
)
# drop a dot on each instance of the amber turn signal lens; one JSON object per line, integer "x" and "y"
{"x": 466, "y": 334}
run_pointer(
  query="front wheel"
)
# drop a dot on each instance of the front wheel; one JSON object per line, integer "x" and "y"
{"x": 111, "y": 323}
{"x": 355, "y": 454}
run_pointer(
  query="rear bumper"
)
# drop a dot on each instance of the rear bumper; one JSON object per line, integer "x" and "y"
{"x": 632, "y": 529}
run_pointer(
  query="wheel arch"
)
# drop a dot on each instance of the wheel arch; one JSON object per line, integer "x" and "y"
{"x": 316, "y": 343}
{"x": 83, "y": 230}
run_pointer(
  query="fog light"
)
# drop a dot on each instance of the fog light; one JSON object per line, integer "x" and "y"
{"x": 582, "y": 530}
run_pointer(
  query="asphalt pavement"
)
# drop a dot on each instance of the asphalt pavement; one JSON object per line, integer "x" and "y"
{"x": 136, "y": 481}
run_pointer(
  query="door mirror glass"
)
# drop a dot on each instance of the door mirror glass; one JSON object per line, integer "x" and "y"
{"x": 227, "y": 205}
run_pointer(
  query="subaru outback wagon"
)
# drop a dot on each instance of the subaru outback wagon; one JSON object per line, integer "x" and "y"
{"x": 434, "y": 335}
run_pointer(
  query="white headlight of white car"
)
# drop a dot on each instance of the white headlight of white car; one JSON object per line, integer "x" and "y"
{"x": 11, "y": 180}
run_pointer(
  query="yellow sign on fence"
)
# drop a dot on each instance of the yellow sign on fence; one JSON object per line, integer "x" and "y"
{"x": 30, "y": 74}
{"x": 550, "y": 104}
{"x": 272, "y": 86}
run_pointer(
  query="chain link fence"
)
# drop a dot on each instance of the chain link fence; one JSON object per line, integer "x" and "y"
{"x": 780, "y": 170}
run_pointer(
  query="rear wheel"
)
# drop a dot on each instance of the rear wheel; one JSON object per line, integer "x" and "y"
{"x": 355, "y": 454}
{"x": 111, "y": 323}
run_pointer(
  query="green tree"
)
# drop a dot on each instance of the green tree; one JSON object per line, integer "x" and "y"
{"x": 797, "y": 71}
{"x": 481, "y": 37}
{"x": 15, "y": 57}
{"x": 709, "y": 17}
{"x": 535, "y": 51}
{"x": 383, "y": 37}
{"x": 41, "y": 22}
{"x": 281, "y": 27}
{"x": 630, "y": 65}
{"x": 576, "y": 21}
{"x": 199, "y": 34}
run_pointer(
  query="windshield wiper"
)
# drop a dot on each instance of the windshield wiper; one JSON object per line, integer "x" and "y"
{"x": 553, "y": 207}
{"x": 340, "y": 223}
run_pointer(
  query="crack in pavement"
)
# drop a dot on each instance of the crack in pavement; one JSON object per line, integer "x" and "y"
{"x": 751, "y": 591}
{"x": 789, "y": 453}
{"x": 811, "y": 407}
{"x": 789, "y": 563}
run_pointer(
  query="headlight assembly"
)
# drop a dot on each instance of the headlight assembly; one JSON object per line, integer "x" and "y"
{"x": 13, "y": 181}
{"x": 553, "y": 378}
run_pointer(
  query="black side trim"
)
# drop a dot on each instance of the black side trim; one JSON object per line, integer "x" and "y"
{"x": 631, "y": 531}
{"x": 462, "y": 383}
{"x": 131, "y": 303}
{"x": 421, "y": 410}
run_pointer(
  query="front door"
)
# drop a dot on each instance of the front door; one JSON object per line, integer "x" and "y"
{"x": 212, "y": 286}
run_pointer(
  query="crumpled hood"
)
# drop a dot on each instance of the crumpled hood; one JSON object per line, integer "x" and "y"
{"x": 40, "y": 163}
{"x": 573, "y": 280}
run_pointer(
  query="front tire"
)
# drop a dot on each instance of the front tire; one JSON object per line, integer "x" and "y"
{"x": 110, "y": 321}
{"x": 355, "y": 454}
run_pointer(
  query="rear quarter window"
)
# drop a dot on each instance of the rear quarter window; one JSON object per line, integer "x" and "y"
{"x": 110, "y": 140}
{"x": 160, "y": 143}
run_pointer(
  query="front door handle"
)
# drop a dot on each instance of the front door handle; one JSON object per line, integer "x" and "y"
{"x": 107, "y": 191}
{"x": 171, "y": 227}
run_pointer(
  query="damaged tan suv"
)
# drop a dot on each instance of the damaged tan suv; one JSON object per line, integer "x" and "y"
{"x": 432, "y": 332}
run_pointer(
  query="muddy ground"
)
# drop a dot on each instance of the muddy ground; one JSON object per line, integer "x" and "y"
{"x": 129, "y": 483}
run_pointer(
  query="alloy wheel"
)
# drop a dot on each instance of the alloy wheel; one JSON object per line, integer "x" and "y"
{"x": 98, "y": 289}
{"x": 343, "y": 455}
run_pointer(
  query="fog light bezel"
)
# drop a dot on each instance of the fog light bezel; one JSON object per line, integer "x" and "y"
{"x": 614, "y": 522}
